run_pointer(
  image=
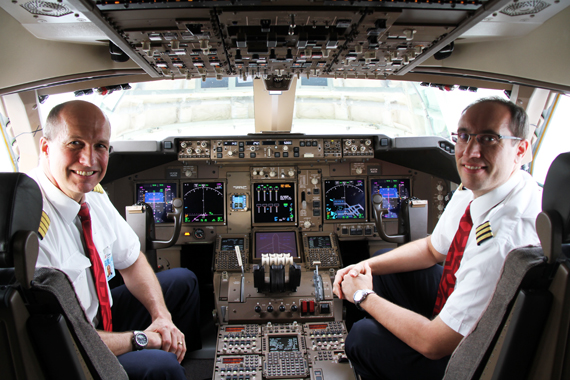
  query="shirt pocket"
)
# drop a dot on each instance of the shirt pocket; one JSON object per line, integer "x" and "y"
{"x": 76, "y": 267}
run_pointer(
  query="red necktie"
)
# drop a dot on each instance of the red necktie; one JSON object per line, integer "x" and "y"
{"x": 454, "y": 256}
{"x": 97, "y": 269}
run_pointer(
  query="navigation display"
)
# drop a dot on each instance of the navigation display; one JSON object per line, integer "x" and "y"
{"x": 283, "y": 343}
{"x": 276, "y": 242}
{"x": 274, "y": 202}
{"x": 159, "y": 197}
{"x": 393, "y": 191}
{"x": 203, "y": 202}
{"x": 229, "y": 244}
{"x": 345, "y": 199}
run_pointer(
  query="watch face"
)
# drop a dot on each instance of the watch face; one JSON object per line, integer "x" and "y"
{"x": 142, "y": 339}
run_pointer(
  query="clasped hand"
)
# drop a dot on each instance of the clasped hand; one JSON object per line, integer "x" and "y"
{"x": 352, "y": 278}
{"x": 171, "y": 338}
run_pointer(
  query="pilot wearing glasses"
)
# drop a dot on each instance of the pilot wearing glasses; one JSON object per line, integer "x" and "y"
{"x": 419, "y": 311}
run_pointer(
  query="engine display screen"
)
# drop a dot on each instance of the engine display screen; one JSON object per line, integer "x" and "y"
{"x": 345, "y": 199}
{"x": 203, "y": 202}
{"x": 274, "y": 202}
{"x": 319, "y": 242}
{"x": 159, "y": 197}
{"x": 276, "y": 242}
{"x": 283, "y": 343}
{"x": 393, "y": 191}
{"x": 229, "y": 244}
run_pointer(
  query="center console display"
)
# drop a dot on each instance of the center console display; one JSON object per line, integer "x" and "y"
{"x": 345, "y": 199}
{"x": 274, "y": 203}
{"x": 393, "y": 192}
{"x": 229, "y": 244}
{"x": 204, "y": 202}
{"x": 276, "y": 242}
{"x": 159, "y": 197}
{"x": 319, "y": 242}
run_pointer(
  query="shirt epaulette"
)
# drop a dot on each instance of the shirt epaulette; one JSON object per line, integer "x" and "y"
{"x": 483, "y": 232}
{"x": 99, "y": 189}
{"x": 44, "y": 225}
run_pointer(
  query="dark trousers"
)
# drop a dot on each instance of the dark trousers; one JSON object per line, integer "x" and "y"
{"x": 375, "y": 352}
{"x": 182, "y": 297}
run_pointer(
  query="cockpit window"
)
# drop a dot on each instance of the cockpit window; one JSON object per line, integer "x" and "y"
{"x": 159, "y": 109}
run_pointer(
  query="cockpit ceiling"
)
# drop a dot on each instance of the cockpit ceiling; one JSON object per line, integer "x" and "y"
{"x": 193, "y": 39}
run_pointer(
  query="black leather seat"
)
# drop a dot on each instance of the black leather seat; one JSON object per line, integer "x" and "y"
{"x": 44, "y": 332}
{"x": 523, "y": 333}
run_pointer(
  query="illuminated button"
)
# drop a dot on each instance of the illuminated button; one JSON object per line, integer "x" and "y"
{"x": 252, "y": 155}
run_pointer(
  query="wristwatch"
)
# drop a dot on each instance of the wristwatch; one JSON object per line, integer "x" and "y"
{"x": 360, "y": 295}
{"x": 139, "y": 340}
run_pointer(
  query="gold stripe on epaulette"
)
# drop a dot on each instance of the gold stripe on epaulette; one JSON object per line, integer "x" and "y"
{"x": 99, "y": 189}
{"x": 483, "y": 232}
{"x": 44, "y": 225}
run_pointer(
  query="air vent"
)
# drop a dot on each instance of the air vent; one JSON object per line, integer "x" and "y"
{"x": 522, "y": 8}
{"x": 46, "y": 8}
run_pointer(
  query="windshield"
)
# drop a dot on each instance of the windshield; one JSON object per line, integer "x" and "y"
{"x": 159, "y": 109}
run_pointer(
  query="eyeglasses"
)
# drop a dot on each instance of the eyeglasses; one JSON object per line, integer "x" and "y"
{"x": 484, "y": 139}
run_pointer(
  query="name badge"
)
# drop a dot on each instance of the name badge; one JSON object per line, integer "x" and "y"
{"x": 109, "y": 266}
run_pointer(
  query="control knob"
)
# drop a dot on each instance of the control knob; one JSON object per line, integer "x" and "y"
{"x": 281, "y": 308}
{"x": 252, "y": 148}
{"x": 272, "y": 173}
{"x": 285, "y": 148}
{"x": 314, "y": 180}
{"x": 291, "y": 173}
{"x": 204, "y": 144}
{"x": 261, "y": 172}
{"x": 363, "y": 148}
{"x": 189, "y": 151}
{"x": 368, "y": 142}
{"x": 198, "y": 151}
{"x": 188, "y": 173}
{"x": 307, "y": 224}
{"x": 354, "y": 148}
{"x": 293, "y": 307}
{"x": 183, "y": 144}
{"x": 347, "y": 142}
{"x": 257, "y": 309}
{"x": 358, "y": 170}
{"x": 230, "y": 153}
{"x": 270, "y": 308}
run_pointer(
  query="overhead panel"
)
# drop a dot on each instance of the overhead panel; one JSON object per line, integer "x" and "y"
{"x": 347, "y": 39}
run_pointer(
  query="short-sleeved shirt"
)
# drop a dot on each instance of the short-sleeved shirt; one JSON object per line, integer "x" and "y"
{"x": 62, "y": 247}
{"x": 510, "y": 212}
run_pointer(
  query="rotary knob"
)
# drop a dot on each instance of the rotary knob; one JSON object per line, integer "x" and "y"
{"x": 204, "y": 144}
{"x": 354, "y": 148}
{"x": 230, "y": 153}
{"x": 272, "y": 174}
{"x": 261, "y": 172}
{"x": 347, "y": 142}
{"x": 307, "y": 224}
{"x": 198, "y": 150}
{"x": 362, "y": 148}
{"x": 189, "y": 151}
{"x": 285, "y": 148}
{"x": 358, "y": 170}
{"x": 282, "y": 308}
{"x": 183, "y": 144}
{"x": 257, "y": 309}
{"x": 252, "y": 148}
{"x": 291, "y": 173}
{"x": 314, "y": 180}
{"x": 293, "y": 307}
{"x": 270, "y": 308}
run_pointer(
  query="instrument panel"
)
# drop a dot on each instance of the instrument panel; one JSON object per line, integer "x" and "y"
{"x": 278, "y": 216}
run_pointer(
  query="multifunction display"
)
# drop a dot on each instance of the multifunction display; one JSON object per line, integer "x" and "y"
{"x": 276, "y": 242}
{"x": 319, "y": 242}
{"x": 283, "y": 343}
{"x": 345, "y": 199}
{"x": 203, "y": 202}
{"x": 229, "y": 244}
{"x": 274, "y": 202}
{"x": 393, "y": 192}
{"x": 159, "y": 197}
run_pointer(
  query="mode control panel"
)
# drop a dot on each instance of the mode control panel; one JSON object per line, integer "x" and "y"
{"x": 245, "y": 148}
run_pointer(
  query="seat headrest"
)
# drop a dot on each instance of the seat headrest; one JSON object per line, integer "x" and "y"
{"x": 20, "y": 210}
{"x": 555, "y": 193}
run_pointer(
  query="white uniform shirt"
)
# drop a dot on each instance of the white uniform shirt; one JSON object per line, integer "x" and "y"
{"x": 63, "y": 248}
{"x": 511, "y": 210}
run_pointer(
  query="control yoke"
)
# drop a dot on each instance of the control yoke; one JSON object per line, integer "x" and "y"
{"x": 177, "y": 216}
{"x": 378, "y": 211}
{"x": 141, "y": 219}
